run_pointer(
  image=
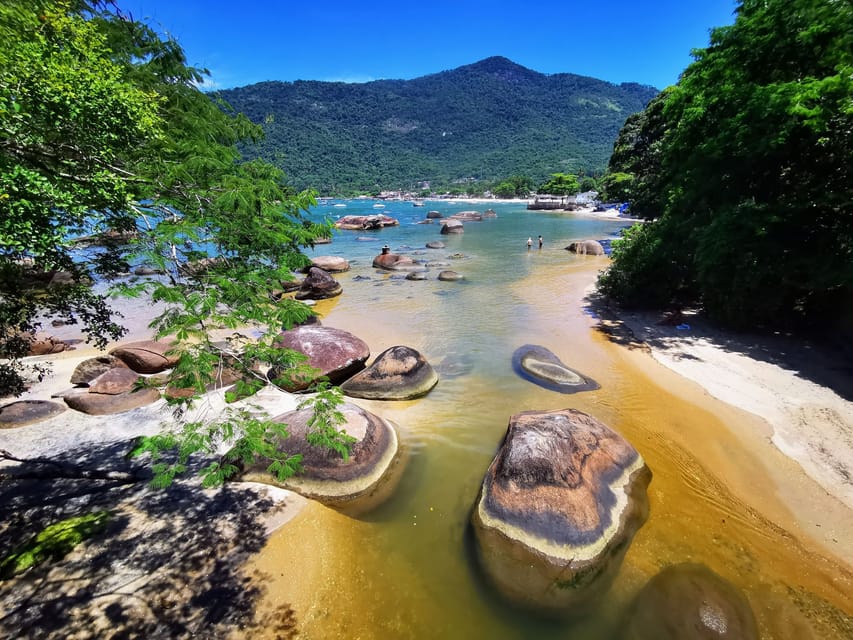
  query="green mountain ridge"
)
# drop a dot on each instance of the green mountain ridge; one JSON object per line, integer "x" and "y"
{"x": 479, "y": 122}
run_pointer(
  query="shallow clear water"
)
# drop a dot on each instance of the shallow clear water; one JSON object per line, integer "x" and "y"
{"x": 407, "y": 569}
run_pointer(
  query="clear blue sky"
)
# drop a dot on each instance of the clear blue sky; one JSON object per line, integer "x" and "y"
{"x": 614, "y": 40}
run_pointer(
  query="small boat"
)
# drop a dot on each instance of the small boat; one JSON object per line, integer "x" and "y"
{"x": 340, "y": 206}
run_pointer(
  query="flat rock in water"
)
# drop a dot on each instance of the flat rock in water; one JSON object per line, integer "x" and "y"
{"x": 91, "y": 368}
{"x": 689, "y": 601}
{"x": 334, "y": 353}
{"x": 398, "y": 373}
{"x": 147, "y": 356}
{"x": 24, "y": 412}
{"x": 100, "y": 404}
{"x": 332, "y": 264}
{"x": 540, "y": 366}
{"x": 558, "y": 508}
{"x": 354, "y": 483}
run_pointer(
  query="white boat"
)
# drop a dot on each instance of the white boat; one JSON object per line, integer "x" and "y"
{"x": 340, "y": 206}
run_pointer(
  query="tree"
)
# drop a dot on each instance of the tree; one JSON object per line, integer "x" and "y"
{"x": 105, "y": 132}
{"x": 752, "y": 167}
{"x": 560, "y": 184}
{"x": 514, "y": 187}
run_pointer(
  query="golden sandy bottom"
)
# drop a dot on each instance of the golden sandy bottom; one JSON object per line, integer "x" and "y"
{"x": 721, "y": 495}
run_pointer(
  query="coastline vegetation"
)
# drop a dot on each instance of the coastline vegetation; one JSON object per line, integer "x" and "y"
{"x": 744, "y": 170}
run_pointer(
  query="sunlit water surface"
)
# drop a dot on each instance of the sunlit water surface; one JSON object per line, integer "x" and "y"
{"x": 407, "y": 569}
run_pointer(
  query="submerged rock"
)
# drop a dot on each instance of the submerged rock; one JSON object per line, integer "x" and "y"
{"x": 398, "y": 373}
{"x": 540, "y": 366}
{"x": 354, "y": 483}
{"x": 689, "y": 601}
{"x": 558, "y": 508}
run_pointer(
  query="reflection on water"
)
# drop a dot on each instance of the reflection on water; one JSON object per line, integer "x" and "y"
{"x": 406, "y": 570}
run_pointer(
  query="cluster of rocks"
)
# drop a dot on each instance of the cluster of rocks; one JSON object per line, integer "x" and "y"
{"x": 360, "y": 223}
{"x": 415, "y": 269}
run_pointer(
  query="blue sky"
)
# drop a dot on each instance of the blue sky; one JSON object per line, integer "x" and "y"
{"x": 255, "y": 40}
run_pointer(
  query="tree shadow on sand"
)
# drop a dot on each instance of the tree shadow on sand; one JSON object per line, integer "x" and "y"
{"x": 820, "y": 359}
{"x": 168, "y": 563}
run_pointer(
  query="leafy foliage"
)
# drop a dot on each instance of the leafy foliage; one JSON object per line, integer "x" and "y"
{"x": 483, "y": 121}
{"x": 560, "y": 184}
{"x": 748, "y": 164}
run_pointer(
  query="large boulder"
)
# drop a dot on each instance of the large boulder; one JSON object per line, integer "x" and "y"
{"x": 398, "y": 373}
{"x": 99, "y": 404}
{"x": 318, "y": 285}
{"x": 558, "y": 508}
{"x": 396, "y": 262}
{"x": 24, "y": 412}
{"x": 147, "y": 356}
{"x": 540, "y": 366}
{"x": 358, "y": 482}
{"x": 586, "y": 247}
{"x": 91, "y": 368}
{"x": 334, "y": 353}
{"x": 366, "y": 222}
{"x": 331, "y": 264}
{"x": 452, "y": 226}
{"x": 689, "y": 601}
{"x": 434, "y": 215}
{"x": 114, "y": 381}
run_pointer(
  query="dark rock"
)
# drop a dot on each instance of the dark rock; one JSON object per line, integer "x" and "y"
{"x": 331, "y": 264}
{"x": 318, "y": 285}
{"x": 142, "y": 270}
{"x": 450, "y": 276}
{"x": 452, "y": 226}
{"x": 24, "y": 412}
{"x": 332, "y": 352}
{"x": 586, "y": 247}
{"x": 114, "y": 381}
{"x": 435, "y": 244}
{"x": 99, "y": 404}
{"x": 147, "y": 356}
{"x": 490, "y": 213}
{"x": 355, "y": 483}
{"x": 91, "y": 368}
{"x": 396, "y": 262}
{"x": 398, "y": 373}
{"x": 434, "y": 215}
{"x": 540, "y": 366}
{"x": 558, "y": 508}
{"x": 689, "y": 601}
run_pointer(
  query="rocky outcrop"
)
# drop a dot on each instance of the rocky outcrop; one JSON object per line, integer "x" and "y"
{"x": 331, "y": 352}
{"x": 434, "y": 215}
{"x": 24, "y": 412}
{"x": 396, "y": 262}
{"x": 467, "y": 216}
{"x": 540, "y": 366}
{"x": 452, "y": 226}
{"x": 366, "y": 222}
{"x": 558, "y": 508}
{"x": 318, "y": 285}
{"x": 586, "y": 247}
{"x": 331, "y": 264}
{"x": 450, "y": 276}
{"x": 355, "y": 483}
{"x": 689, "y": 601}
{"x": 490, "y": 213}
{"x": 398, "y": 373}
{"x": 147, "y": 356}
{"x": 99, "y": 404}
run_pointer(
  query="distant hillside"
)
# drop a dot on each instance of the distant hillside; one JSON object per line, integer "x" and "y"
{"x": 487, "y": 120}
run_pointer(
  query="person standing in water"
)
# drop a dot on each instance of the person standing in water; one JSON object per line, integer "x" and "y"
{"x": 529, "y": 243}
{"x": 540, "y": 242}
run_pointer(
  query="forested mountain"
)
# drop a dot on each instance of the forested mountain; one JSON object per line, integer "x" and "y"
{"x": 487, "y": 120}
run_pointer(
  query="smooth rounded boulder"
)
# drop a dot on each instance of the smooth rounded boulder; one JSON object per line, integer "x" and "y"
{"x": 356, "y": 483}
{"x": 102, "y": 404}
{"x": 331, "y": 264}
{"x": 558, "y": 508}
{"x": 318, "y": 285}
{"x": 396, "y": 262}
{"x": 540, "y": 366}
{"x": 147, "y": 356}
{"x": 23, "y": 412}
{"x": 91, "y": 368}
{"x": 334, "y": 353}
{"x": 689, "y": 601}
{"x": 398, "y": 373}
{"x": 452, "y": 226}
{"x": 450, "y": 276}
{"x": 435, "y": 244}
{"x": 586, "y": 247}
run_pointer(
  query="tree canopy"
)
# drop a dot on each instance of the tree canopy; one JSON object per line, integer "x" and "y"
{"x": 746, "y": 166}
{"x": 104, "y": 133}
